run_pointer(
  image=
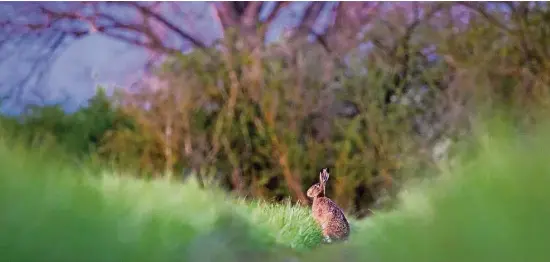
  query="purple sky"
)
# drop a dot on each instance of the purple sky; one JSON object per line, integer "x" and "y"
{"x": 99, "y": 60}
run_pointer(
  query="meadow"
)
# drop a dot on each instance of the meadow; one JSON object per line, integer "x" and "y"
{"x": 206, "y": 158}
{"x": 492, "y": 206}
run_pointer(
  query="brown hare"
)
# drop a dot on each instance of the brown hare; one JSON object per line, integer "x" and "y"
{"x": 326, "y": 213}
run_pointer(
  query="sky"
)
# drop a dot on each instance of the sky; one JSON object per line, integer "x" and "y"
{"x": 81, "y": 65}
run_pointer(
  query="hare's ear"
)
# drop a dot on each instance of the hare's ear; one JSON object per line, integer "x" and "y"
{"x": 323, "y": 176}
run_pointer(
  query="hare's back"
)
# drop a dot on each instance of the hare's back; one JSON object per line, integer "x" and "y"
{"x": 325, "y": 209}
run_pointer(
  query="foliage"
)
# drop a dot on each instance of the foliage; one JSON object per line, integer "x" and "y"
{"x": 476, "y": 212}
{"x": 77, "y": 134}
{"x": 262, "y": 119}
{"x": 267, "y": 123}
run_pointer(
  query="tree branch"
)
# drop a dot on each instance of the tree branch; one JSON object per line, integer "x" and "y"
{"x": 480, "y": 10}
{"x": 164, "y": 21}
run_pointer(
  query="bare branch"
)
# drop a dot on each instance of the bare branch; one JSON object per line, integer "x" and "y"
{"x": 226, "y": 15}
{"x": 305, "y": 26}
{"x": 276, "y": 10}
{"x": 73, "y": 19}
{"x": 149, "y": 12}
{"x": 480, "y": 9}
{"x": 311, "y": 14}
{"x": 349, "y": 20}
{"x": 251, "y": 14}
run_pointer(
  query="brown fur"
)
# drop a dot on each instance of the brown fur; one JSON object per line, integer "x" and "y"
{"x": 326, "y": 213}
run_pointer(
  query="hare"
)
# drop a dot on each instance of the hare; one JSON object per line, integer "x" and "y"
{"x": 326, "y": 213}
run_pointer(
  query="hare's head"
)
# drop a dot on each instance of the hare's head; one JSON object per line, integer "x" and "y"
{"x": 318, "y": 189}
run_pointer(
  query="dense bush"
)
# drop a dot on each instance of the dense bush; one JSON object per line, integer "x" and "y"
{"x": 77, "y": 135}
{"x": 262, "y": 119}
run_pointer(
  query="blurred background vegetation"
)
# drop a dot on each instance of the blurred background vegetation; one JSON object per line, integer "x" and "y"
{"x": 381, "y": 96}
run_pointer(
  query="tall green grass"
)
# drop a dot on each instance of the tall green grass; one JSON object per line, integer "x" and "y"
{"x": 494, "y": 207}
{"x": 54, "y": 212}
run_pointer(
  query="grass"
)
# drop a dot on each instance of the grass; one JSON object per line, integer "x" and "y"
{"x": 494, "y": 208}
{"x": 52, "y": 212}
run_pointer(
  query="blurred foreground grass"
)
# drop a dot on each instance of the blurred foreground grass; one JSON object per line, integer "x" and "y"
{"x": 51, "y": 212}
{"x": 494, "y": 208}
